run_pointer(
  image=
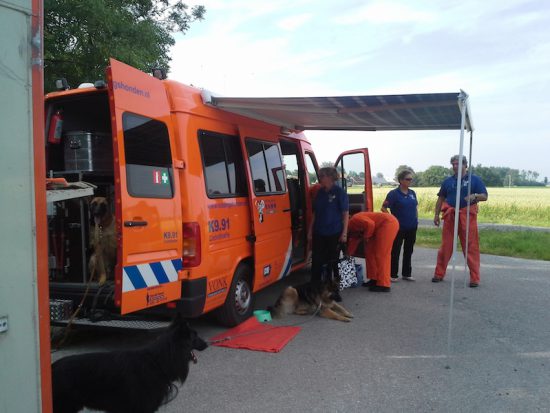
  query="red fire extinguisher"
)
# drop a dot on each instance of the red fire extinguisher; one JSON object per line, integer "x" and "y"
{"x": 56, "y": 127}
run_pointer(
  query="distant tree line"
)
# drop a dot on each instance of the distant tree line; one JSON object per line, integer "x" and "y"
{"x": 493, "y": 176}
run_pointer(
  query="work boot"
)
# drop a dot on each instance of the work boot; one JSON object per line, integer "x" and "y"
{"x": 379, "y": 289}
{"x": 369, "y": 283}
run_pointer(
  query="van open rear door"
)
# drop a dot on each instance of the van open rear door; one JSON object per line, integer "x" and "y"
{"x": 148, "y": 202}
{"x": 355, "y": 178}
{"x": 271, "y": 235}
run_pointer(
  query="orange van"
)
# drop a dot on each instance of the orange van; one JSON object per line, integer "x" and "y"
{"x": 208, "y": 206}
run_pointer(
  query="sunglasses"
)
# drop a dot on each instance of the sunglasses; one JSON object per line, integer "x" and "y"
{"x": 407, "y": 179}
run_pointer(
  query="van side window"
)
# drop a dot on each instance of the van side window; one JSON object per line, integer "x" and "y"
{"x": 223, "y": 164}
{"x": 266, "y": 166}
{"x": 148, "y": 158}
{"x": 311, "y": 169}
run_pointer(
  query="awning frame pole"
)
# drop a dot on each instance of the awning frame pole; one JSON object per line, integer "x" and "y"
{"x": 467, "y": 240}
{"x": 462, "y": 99}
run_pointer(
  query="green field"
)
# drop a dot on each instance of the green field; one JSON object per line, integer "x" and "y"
{"x": 514, "y": 206}
{"x": 517, "y": 206}
{"x": 521, "y": 244}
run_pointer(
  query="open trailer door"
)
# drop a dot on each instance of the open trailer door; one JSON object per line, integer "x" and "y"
{"x": 148, "y": 202}
{"x": 355, "y": 178}
{"x": 271, "y": 235}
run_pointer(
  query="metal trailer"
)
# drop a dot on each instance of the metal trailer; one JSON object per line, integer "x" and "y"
{"x": 25, "y": 383}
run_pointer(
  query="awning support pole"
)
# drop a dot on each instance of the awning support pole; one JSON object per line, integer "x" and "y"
{"x": 467, "y": 241}
{"x": 462, "y": 102}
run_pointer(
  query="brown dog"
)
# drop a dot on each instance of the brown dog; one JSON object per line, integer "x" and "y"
{"x": 311, "y": 298}
{"x": 102, "y": 240}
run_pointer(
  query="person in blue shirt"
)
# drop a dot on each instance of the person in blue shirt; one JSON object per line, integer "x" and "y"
{"x": 446, "y": 203}
{"x": 329, "y": 224}
{"x": 403, "y": 204}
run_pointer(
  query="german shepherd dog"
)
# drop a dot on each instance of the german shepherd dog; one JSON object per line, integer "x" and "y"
{"x": 311, "y": 298}
{"x": 126, "y": 381}
{"x": 103, "y": 241}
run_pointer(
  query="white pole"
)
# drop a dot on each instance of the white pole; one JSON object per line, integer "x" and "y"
{"x": 462, "y": 100}
{"x": 467, "y": 240}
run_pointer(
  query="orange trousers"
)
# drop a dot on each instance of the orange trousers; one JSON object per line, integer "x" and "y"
{"x": 378, "y": 231}
{"x": 446, "y": 250}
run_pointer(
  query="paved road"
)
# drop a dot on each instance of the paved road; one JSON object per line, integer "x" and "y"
{"x": 394, "y": 356}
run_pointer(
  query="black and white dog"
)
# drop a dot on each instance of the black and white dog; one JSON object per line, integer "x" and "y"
{"x": 132, "y": 381}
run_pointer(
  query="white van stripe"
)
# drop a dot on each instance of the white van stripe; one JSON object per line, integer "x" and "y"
{"x": 170, "y": 271}
{"x": 126, "y": 283}
{"x": 148, "y": 275}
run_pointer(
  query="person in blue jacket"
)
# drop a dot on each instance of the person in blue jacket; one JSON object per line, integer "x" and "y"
{"x": 403, "y": 204}
{"x": 329, "y": 224}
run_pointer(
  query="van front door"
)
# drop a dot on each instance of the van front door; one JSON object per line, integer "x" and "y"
{"x": 271, "y": 235}
{"x": 148, "y": 202}
{"x": 355, "y": 178}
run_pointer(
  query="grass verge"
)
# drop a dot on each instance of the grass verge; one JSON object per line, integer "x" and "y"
{"x": 521, "y": 244}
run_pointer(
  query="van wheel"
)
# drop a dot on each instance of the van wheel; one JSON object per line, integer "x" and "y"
{"x": 239, "y": 303}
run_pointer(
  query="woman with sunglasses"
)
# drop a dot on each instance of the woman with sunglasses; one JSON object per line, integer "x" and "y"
{"x": 403, "y": 204}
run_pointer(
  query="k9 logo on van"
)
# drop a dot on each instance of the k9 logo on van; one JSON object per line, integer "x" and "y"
{"x": 218, "y": 229}
{"x": 216, "y": 225}
{"x": 170, "y": 236}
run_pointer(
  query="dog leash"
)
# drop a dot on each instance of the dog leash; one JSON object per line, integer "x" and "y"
{"x": 72, "y": 317}
{"x": 77, "y": 311}
{"x": 249, "y": 333}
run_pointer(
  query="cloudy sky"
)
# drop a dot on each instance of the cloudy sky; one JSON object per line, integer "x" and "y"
{"x": 496, "y": 51}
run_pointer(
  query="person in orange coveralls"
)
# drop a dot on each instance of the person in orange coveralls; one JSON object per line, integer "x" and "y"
{"x": 377, "y": 231}
{"x": 446, "y": 203}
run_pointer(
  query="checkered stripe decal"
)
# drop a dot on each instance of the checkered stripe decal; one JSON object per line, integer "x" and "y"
{"x": 150, "y": 274}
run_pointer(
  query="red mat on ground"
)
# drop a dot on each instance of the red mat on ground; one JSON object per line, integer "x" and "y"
{"x": 253, "y": 335}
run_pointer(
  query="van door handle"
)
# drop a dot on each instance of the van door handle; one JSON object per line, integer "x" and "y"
{"x": 135, "y": 223}
{"x": 287, "y": 210}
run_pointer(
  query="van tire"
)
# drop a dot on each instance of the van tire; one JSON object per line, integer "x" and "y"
{"x": 239, "y": 302}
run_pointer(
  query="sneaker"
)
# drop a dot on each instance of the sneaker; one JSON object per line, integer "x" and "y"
{"x": 409, "y": 278}
{"x": 437, "y": 279}
{"x": 394, "y": 279}
{"x": 379, "y": 289}
{"x": 473, "y": 285}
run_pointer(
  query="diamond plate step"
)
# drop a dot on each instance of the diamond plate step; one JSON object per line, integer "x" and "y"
{"x": 115, "y": 324}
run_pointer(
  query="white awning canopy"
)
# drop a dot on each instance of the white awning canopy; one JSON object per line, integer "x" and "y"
{"x": 428, "y": 111}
